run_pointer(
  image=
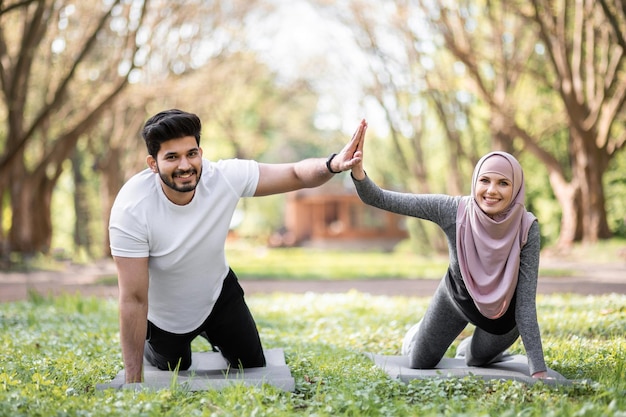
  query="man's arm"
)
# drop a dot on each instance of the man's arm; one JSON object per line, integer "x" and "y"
{"x": 308, "y": 173}
{"x": 133, "y": 300}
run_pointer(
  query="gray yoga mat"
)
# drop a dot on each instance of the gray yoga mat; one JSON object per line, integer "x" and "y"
{"x": 512, "y": 367}
{"x": 209, "y": 371}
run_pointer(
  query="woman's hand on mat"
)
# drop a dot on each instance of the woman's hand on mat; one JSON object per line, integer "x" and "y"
{"x": 541, "y": 375}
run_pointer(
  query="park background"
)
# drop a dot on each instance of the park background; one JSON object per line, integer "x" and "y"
{"x": 440, "y": 83}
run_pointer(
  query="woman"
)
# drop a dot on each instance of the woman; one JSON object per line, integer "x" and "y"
{"x": 491, "y": 281}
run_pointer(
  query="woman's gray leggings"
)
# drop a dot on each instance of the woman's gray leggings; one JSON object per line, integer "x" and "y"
{"x": 440, "y": 326}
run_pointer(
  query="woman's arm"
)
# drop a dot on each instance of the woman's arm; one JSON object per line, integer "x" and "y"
{"x": 439, "y": 208}
{"x": 526, "y": 306}
{"x": 434, "y": 207}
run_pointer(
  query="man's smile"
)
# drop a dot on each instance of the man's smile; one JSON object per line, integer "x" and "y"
{"x": 185, "y": 175}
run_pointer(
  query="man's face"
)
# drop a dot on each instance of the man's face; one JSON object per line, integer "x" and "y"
{"x": 179, "y": 165}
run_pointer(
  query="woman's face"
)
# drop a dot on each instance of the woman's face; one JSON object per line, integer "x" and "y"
{"x": 493, "y": 193}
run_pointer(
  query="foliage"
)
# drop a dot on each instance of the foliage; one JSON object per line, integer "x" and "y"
{"x": 55, "y": 351}
{"x": 501, "y": 75}
{"x": 615, "y": 190}
{"x": 250, "y": 117}
{"x": 63, "y": 67}
{"x": 53, "y": 54}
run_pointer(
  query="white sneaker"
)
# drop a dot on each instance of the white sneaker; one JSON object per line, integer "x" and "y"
{"x": 462, "y": 348}
{"x": 408, "y": 341}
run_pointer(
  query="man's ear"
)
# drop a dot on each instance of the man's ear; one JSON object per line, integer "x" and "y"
{"x": 152, "y": 163}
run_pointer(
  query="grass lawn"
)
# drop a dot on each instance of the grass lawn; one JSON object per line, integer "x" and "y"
{"x": 55, "y": 351}
{"x": 307, "y": 263}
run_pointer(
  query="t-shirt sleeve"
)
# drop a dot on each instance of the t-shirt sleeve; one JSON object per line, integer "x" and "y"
{"x": 242, "y": 175}
{"x": 127, "y": 237}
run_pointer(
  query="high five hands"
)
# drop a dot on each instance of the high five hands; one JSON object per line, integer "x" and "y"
{"x": 351, "y": 156}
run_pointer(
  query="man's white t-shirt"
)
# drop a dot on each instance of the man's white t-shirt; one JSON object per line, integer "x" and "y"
{"x": 185, "y": 244}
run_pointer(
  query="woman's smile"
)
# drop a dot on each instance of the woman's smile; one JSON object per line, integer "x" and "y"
{"x": 493, "y": 193}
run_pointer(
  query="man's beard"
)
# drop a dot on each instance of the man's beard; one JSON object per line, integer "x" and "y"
{"x": 172, "y": 184}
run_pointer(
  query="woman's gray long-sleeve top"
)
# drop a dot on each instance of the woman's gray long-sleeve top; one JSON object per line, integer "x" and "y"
{"x": 442, "y": 210}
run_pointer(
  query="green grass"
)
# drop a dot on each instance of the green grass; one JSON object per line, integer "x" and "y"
{"x": 261, "y": 263}
{"x": 54, "y": 352}
{"x": 307, "y": 263}
{"x": 603, "y": 251}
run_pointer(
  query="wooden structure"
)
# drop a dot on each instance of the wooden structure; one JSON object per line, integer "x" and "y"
{"x": 333, "y": 215}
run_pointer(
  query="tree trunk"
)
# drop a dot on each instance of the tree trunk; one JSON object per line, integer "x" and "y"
{"x": 501, "y": 140}
{"x": 567, "y": 195}
{"x": 31, "y": 222}
{"x": 110, "y": 169}
{"x": 582, "y": 200}
{"x": 588, "y": 167}
{"x": 82, "y": 238}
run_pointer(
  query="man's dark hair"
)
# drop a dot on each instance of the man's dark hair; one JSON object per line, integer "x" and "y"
{"x": 167, "y": 125}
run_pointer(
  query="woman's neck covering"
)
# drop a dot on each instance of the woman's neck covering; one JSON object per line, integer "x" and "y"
{"x": 489, "y": 248}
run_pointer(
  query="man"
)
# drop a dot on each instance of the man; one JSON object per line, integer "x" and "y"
{"x": 168, "y": 229}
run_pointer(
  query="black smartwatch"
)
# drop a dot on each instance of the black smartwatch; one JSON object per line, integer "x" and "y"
{"x": 330, "y": 158}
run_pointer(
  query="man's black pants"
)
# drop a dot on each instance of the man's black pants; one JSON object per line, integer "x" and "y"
{"x": 230, "y": 329}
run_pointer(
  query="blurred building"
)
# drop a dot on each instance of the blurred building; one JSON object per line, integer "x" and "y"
{"x": 332, "y": 215}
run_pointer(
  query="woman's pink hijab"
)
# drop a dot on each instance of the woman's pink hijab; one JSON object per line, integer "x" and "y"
{"x": 489, "y": 249}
